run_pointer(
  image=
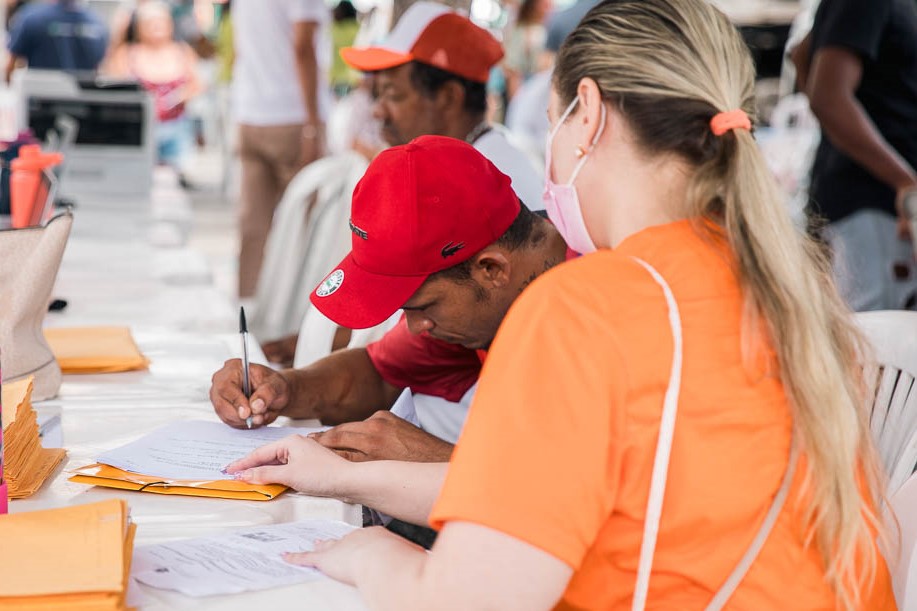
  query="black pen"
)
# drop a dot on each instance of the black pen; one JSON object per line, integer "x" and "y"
{"x": 246, "y": 385}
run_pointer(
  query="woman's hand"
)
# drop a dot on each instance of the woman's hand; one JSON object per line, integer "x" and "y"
{"x": 295, "y": 461}
{"x": 341, "y": 559}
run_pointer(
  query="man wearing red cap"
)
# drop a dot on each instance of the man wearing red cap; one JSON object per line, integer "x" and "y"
{"x": 438, "y": 232}
{"x": 431, "y": 74}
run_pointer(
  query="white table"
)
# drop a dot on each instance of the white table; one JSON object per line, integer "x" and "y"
{"x": 112, "y": 275}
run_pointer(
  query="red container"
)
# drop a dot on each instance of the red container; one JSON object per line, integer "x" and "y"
{"x": 25, "y": 184}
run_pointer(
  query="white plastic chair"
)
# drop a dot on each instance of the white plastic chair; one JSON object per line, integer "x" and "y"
{"x": 901, "y": 563}
{"x": 893, "y": 421}
{"x": 309, "y": 236}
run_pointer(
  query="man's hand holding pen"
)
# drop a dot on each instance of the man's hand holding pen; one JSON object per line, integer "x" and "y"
{"x": 270, "y": 394}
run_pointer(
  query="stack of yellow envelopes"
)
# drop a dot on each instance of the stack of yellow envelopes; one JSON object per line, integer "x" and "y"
{"x": 74, "y": 558}
{"x": 95, "y": 350}
{"x": 26, "y": 465}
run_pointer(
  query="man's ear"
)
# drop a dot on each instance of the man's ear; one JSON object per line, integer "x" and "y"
{"x": 450, "y": 98}
{"x": 491, "y": 269}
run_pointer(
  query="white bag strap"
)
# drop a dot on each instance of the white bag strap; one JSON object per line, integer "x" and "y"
{"x": 663, "y": 447}
{"x": 732, "y": 582}
{"x": 660, "y": 473}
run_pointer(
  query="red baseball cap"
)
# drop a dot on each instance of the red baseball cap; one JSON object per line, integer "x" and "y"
{"x": 420, "y": 208}
{"x": 433, "y": 34}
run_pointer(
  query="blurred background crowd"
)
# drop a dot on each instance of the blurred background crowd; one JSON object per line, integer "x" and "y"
{"x": 253, "y": 104}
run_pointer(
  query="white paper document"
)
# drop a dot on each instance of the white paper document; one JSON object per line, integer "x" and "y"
{"x": 239, "y": 561}
{"x": 193, "y": 449}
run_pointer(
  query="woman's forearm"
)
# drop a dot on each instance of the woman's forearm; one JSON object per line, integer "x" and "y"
{"x": 403, "y": 490}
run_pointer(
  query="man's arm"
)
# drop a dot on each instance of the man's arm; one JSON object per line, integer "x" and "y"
{"x": 11, "y": 66}
{"x": 304, "y": 33}
{"x": 834, "y": 77}
{"x": 385, "y": 436}
{"x": 342, "y": 387}
{"x": 800, "y": 55}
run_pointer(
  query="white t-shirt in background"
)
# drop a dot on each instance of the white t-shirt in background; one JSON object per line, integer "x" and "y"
{"x": 266, "y": 86}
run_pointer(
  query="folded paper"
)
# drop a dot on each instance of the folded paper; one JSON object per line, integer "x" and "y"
{"x": 112, "y": 477}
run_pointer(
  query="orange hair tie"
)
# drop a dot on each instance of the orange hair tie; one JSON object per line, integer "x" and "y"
{"x": 725, "y": 121}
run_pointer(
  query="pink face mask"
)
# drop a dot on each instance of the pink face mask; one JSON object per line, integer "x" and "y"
{"x": 560, "y": 201}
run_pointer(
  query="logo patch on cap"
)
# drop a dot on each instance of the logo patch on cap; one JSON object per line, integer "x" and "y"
{"x": 451, "y": 248}
{"x": 330, "y": 284}
{"x": 357, "y": 231}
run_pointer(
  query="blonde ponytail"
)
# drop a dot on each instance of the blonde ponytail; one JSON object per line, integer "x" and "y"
{"x": 669, "y": 66}
{"x": 786, "y": 276}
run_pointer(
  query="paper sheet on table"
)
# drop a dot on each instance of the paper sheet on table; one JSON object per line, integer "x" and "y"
{"x": 95, "y": 349}
{"x": 186, "y": 458}
{"x": 404, "y": 407}
{"x": 239, "y": 561}
{"x": 192, "y": 449}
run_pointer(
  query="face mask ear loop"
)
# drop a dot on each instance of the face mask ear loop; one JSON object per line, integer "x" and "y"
{"x": 563, "y": 117}
{"x": 595, "y": 140}
{"x": 550, "y": 141}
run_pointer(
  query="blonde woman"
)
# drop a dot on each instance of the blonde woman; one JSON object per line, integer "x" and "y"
{"x": 671, "y": 421}
{"x": 167, "y": 69}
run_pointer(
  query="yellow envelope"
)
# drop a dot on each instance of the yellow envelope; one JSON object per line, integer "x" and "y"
{"x": 15, "y": 394}
{"x": 112, "y": 477}
{"x": 95, "y": 349}
{"x": 75, "y": 557}
{"x": 26, "y": 465}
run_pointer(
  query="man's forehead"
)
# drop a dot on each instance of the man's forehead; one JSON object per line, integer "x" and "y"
{"x": 394, "y": 76}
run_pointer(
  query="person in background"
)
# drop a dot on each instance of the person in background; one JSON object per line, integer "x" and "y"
{"x": 168, "y": 70}
{"x": 57, "y": 35}
{"x": 224, "y": 49}
{"x": 496, "y": 95}
{"x": 281, "y": 101}
{"x": 561, "y": 23}
{"x": 525, "y": 116}
{"x": 430, "y": 77}
{"x": 431, "y": 74}
{"x": 858, "y": 67}
{"x": 187, "y": 17}
{"x": 13, "y": 7}
{"x": 352, "y": 126}
{"x": 525, "y": 45}
{"x": 344, "y": 30}
{"x": 665, "y": 421}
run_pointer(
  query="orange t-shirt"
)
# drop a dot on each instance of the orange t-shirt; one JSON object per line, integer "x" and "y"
{"x": 559, "y": 444}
